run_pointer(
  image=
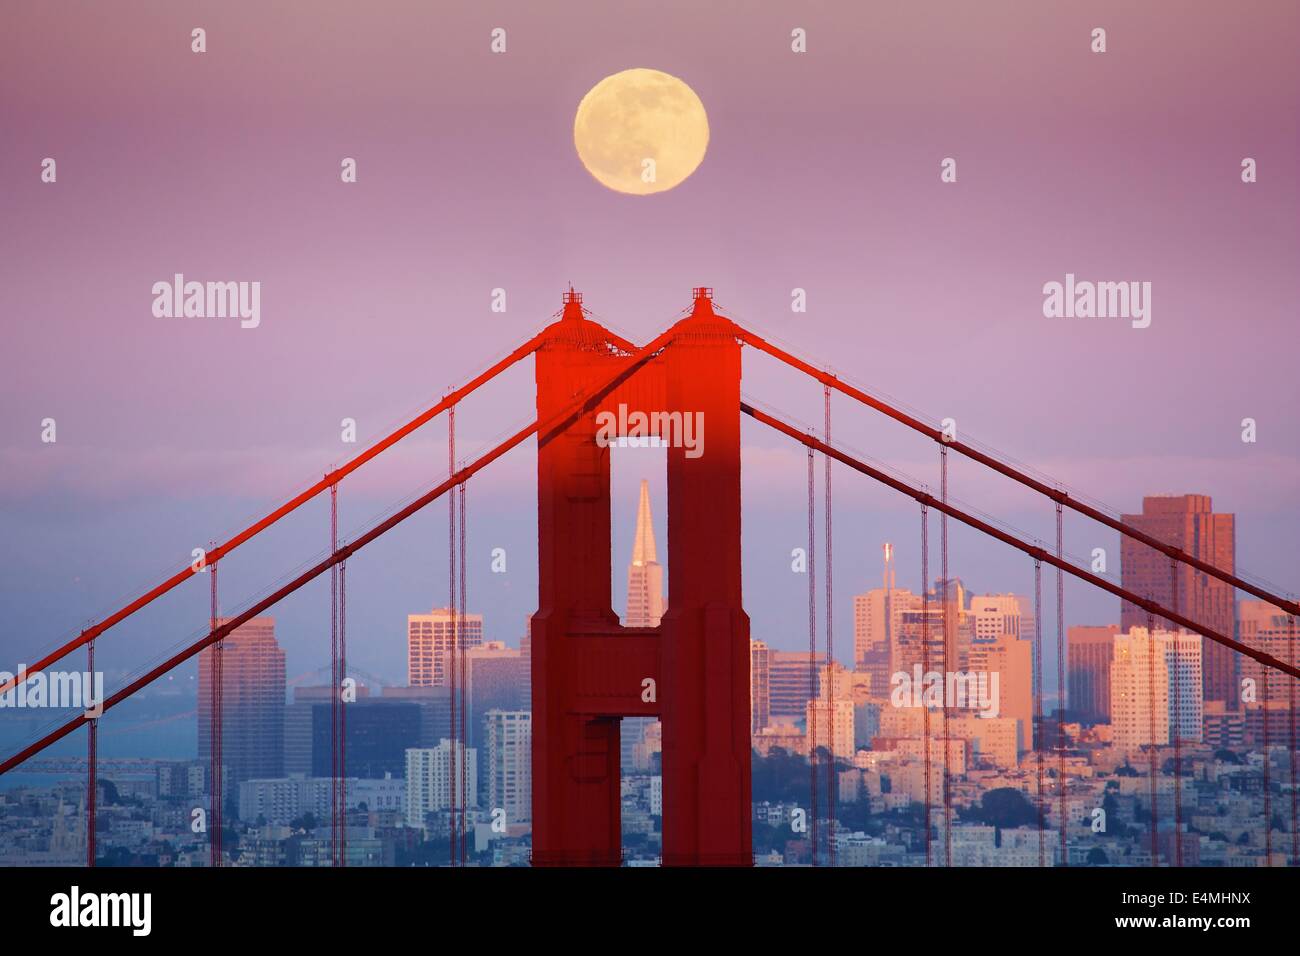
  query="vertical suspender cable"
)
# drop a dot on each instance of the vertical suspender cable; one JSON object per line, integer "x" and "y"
{"x": 1153, "y": 749}
{"x": 92, "y": 762}
{"x": 949, "y": 646}
{"x": 464, "y": 691}
{"x": 831, "y": 779}
{"x": 1176, "y": 713}
{"x": 214, "y": 734}
{"x": 1268, "y": 770}
{"x": 342, "y": 778}
{"x": 1295, "y": 797}
{"x": 1060, "y": 688}
{"x": 1038, "y": 707}
{"x": 813, "y": 688}
{"x": 451, "y": 658}
{"x": 925, "y": 668}
{"x": 336, "y": 680}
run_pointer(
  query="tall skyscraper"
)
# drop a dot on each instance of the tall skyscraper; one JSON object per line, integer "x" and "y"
{"x": 877, "y": 626}
{"x": 760, "y": 706}
{"x": 1187, "y": 522}
{"x": 645, "y": 575}
{"x": 1184, "y": 658}
{"x": 498, "y": 678}
{"x": 834, "y": 726}
{"x": 1089, "y": 651}
{"x": 379, "y": 731}
{"x": 429, "y": 780}
{"x": 299, "y": 725}
{"x": 994, "y": 615}
{"x": 1264, "y": 627}
{"x": 1154, "y": 688}
{"x": 377, "y": 734}
{"x": 1139, "y": 692}
{"x": 645, "y": 608}
{"x": 1013, "y": 661}
{"x": 252, "y": 692}
{"x": 789, "y": 688}
{"x": 955, "y": 624}
{"x": 509, "y": 767}
{"x": 430, "y": 639}
{"x": 919, "y": 636}
{"x": 874, "y": 615}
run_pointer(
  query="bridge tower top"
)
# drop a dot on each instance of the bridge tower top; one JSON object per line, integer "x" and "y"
{"x": 704, "y": 323}
{"x": 574, "y": 330}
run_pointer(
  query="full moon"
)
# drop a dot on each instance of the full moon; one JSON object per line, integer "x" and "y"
{"x": 641, "y": 131}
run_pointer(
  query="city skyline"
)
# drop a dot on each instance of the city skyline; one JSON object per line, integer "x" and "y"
{"x": 399, "y": 755}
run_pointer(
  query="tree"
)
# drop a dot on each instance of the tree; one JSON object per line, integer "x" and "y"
{"x": 780, "y": 777}
{"x": 1097, "y": 857}
{"x": 1006, "y": 808}
{"x": 1110, "y": 805}
{"x": 856, "y": 816}
{"x": 767, "y": 837}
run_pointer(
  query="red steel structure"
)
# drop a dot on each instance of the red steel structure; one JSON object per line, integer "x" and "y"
{"x": 692, "y": 670}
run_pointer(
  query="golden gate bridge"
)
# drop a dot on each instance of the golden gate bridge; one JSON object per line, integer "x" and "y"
{"x": 588, "y": 672}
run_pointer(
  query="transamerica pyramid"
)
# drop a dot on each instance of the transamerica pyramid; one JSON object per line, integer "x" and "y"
{"x": 645, "y": 575}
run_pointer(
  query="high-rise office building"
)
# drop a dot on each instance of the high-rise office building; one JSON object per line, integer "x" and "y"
{"x": 1089, "y": 651}
{"x": 1263, "y": 627}
{"x": 919, "y": 638}
{"x": 377, "y": 734}
{"x": 835, "y": 681}
{"x": 1139, "y": 692}
{"x": 429, "y": 779}
{"x": 1012, "y": 660}
{"x": 498, "y": 680}
{"x": 1154, "y": 687}
{"x": 789, "y": 686}
{"x": 877, "y": 625}
{"x": 1184, "y": 657}
{"x": 1187, "y": 522}
{"x": 760, "y": 708}
{"x": 993, "y": 615}
{"x": 430, "y": 640}
{"x": 299, "y": 726}
{"x": 435, "y": 710}
{"x": 645, "y": 575}
{"x": 252, "y": 702}
{"x": 509, "y": 735}
{"x": 875, "y": 614}
{"x": 830, "y": 726}
{"x": 954, "y": 623}
{"x": 1224, "y": 729}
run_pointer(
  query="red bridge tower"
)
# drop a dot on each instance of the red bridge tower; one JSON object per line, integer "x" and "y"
{"x": 692, "y": 671}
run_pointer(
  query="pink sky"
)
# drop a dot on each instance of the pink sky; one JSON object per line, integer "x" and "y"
{"x": 822, "y": 173}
